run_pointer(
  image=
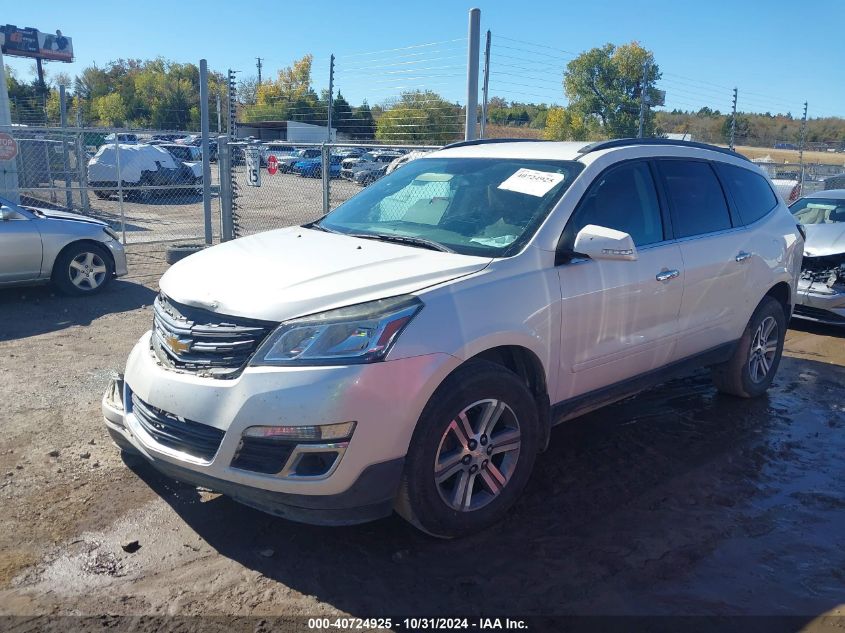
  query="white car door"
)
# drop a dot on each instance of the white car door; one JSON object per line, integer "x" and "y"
{"x": 20, "y": 245}
{"x": 619, "y": 318}
{"x": 716, "y": 256}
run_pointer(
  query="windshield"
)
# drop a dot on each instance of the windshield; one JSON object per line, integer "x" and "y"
{"x": 474, "y": 206}
{"x": 818, "y": 210}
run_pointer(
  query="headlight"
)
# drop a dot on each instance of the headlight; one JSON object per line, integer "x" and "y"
{"x": 361, "y": 333}
{"x": 108, "y": 231}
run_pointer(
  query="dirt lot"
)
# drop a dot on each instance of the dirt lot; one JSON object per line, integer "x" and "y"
{"x": 678, "y": 501}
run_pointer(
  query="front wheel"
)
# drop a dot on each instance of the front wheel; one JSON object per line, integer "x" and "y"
{"x": 472, "y": 452}
{"x": 751, "y": 369}
{"x": 83, "y": 269}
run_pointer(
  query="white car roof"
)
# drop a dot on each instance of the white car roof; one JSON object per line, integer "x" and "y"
{"x": 573, "y": 150}
{"x": 835, "y": 194}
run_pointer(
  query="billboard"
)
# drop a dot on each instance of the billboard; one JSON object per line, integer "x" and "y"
{"x": 29, "y": 42}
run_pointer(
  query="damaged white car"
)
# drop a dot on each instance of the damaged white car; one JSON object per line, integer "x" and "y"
{"x": 821, "y": 289}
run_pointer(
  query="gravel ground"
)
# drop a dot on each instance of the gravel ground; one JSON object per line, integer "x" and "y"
{"x": 677, "y": 501}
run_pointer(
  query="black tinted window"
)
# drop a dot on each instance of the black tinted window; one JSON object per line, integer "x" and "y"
{"x": 753, "y": 196}
{"x": 624, "y": 199}
{"x": 695, "y": 198}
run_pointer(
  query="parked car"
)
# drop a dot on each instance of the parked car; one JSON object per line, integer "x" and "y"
{"x": 78, "y": 254}
{"x": 313, "y": 167}
{"x": 141, "y": 165}
{"x": 189, "y": 155}
{"x": 370, "y": 161}
{"x": 821, "y": 289}
{"x": 286, "y": 163}
{"x": 125, "y": 139}
{"x": 412, "y": 349}
{"x": 279, "y": 150}
{"x": 369, "y": 176}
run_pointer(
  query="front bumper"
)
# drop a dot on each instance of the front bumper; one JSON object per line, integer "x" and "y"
{"x": 362, "y": 484}
{"x": 818, "y": 302}
{"x": 118, "y": 253}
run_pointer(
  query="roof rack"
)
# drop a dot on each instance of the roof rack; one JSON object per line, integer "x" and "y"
{"x": 488, "y": 141}
{"x": 627, "y": 142}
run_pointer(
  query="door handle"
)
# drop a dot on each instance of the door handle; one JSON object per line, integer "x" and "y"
{"x": 666, "y": 275}
{"x": 742, "y": 256}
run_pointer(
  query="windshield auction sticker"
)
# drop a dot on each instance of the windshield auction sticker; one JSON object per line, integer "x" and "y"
{"x": 532, "y": 182}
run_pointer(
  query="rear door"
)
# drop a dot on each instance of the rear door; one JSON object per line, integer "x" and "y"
{"x": 716, "y": 254}
{"x": 20, "y": 247}
{"x": 620, "y": 318}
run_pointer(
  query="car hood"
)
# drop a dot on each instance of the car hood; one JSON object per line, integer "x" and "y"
{"x": 282, "y": 274}
{"x": 52, "y": 214}
{"x": 824, "y": 239}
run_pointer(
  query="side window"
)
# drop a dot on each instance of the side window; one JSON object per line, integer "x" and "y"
{"x": 696, "y": 200}
{"x": 624, "y": 198}
{"x": 751, "y": 192}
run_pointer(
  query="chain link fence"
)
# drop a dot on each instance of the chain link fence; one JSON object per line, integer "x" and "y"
{"x": 148, "y": 186}
{"x": 282, "y": 184}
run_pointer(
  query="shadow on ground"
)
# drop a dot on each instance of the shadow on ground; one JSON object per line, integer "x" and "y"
{"x": 42, "y": 309}
{"x": 677, "y": 501}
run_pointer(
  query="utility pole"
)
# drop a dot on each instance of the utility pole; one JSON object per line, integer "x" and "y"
{"x": 331, "y": 100}
{"x": 474, "y": 37}
{"x": 258, "y": 65}
{"x": 801, "y": 146}
{"x": 484, "y": 86}
{"x": 643, "y": 98}
{"x": 733, "y": 119}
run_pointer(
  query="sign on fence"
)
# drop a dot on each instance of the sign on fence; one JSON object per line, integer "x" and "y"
{"x": 8, "y": 147}
{"x": 272, "y": 165}
{"x": 253, "y": 165}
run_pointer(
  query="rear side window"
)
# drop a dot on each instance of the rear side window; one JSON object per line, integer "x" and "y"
{"x": 751, "y": 192}
{"x": 696, "y": 200}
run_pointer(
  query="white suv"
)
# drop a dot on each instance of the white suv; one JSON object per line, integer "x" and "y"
{"x": 412, "y": 349}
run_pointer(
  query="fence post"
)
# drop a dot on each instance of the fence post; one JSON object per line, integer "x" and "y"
{"x": 206, "y": 158}
{"x": 224, "y": 164}
{"x": 485, "y": 86}
{"x": 82, "y": 173}
{"x": 65, "y": 157}
{"x": 8, "y": 168}
{"x": 119, "y": 186}
{"x": 326, "y": 174}
{"x": 733, "y": 120}
{"x": 801, "y": 147}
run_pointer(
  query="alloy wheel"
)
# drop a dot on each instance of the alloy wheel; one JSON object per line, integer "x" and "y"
{"x": 87, "y": 271}
{"x": 477, "y": 455}
{"x": 764, "y": 346}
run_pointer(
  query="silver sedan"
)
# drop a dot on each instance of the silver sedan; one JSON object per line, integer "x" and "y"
{"x": 78, "y": 254}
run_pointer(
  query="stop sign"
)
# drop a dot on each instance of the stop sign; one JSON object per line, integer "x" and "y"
{"x": 8, "y": 147}
{"x": 272, "y": 164}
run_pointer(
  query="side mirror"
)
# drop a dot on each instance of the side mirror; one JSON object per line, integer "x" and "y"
{"x": 600, "y": 242}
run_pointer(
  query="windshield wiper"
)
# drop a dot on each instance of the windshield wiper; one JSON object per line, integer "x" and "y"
{"x": 320, "y": 227}
{"x": 420, "y": 242}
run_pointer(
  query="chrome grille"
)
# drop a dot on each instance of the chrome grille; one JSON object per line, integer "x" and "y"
{"x": 204, "y": 342}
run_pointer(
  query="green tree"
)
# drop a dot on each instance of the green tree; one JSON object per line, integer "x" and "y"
{"x": 563, "y": 124}
{"x": 365, "y": 125}
{"x": 420, "y": 117}
{"x": 603, "y": 85}
{"x": 110, "y": 109}
{"x": 343, "y": 119}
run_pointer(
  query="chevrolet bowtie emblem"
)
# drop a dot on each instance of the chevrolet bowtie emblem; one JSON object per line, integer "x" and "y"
{"x": 180, "y": 346}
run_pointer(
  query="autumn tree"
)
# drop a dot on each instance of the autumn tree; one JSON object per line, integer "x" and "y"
{"x": 603, "y": 86}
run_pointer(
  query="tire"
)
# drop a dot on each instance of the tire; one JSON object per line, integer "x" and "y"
{"x": 752, "y": 367}
{"x": 102, "y": 195}
{"x": 83, "y": 268}
{"x": 473, "y": 391}
{"x": 180, "y": 251}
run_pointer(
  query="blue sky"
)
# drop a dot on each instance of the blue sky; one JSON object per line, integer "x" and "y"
{"x": 778, "y": 53}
